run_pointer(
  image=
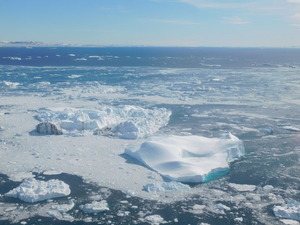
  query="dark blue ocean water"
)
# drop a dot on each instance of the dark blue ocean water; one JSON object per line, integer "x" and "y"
{"x": 150, "y": 56}
{"x": 253, "y": 93}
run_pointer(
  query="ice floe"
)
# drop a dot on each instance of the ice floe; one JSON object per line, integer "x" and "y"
{"x": 21, "y": 176}
{"x": 222, "y": 207}
{"x": 154, "y": 219}
{"x": 165, "y": 186}
{"x": 188, "y": 158}
{"x": 32, "y": 190}
{"x": 242, "y": 187}
{"x": 290, "y": 210}
{"x": 13, "y": 58}
{"x": 129, "y": 122}
{"x": 95, "y": 207}
{"x": 292, "y": 128}
{"x": 8, "y": 84}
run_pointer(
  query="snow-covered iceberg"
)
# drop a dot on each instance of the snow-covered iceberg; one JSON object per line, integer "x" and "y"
{"x": 189, "y": 159}
{"x": 32, "y": 190}
{"x": 129, "y": 122}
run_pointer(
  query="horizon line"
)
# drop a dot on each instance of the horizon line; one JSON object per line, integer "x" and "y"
{"x": 32, "y": 44}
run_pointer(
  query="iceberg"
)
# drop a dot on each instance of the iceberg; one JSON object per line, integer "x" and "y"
{"x": 190, "y": 159}
{"x": 32, "y": 190}
{"x": 127, "y": 122}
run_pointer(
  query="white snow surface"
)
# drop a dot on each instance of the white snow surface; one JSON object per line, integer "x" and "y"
{"x": 290, "y": 210}
{"x": 32, "y": 190}
{"x": 187, "y": 158}
{"x": 128, "y": 122}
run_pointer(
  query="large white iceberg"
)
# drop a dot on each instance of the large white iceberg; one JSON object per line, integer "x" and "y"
{"x": 190, "y": 159}
{"x": 32, "y": 190}
{"x": 129, "y": 122}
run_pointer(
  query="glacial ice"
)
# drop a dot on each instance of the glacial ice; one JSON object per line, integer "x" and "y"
{"x": 191, "y": 159}
{"x": 32, "y": 190}
{"x": 128, "y": 122}
{"x": 291, "y": 210}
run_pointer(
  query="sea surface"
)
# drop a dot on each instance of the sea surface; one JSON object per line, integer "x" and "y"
{"x": 254, "y": 93}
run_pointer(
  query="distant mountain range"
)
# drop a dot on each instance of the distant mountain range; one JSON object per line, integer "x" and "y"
{"x": 31, "y": 44}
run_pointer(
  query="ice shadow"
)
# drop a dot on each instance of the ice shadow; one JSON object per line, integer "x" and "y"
{"x": 131, "y": 160}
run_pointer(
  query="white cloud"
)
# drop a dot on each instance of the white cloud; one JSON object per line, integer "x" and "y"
{"x": 296, "y": 16}
{"x": 212, "y": 4}
{"x": 294, "y": 1}
{"x": 236, "y": 20}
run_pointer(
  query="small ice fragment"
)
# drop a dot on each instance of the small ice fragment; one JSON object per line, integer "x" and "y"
{"x": 222, "y": 207}
{"x": 51, "y": 172}
{"x": 197, "y": 209}
{"x": 8, "y": 84}
{"x": 32, "y": 190}
{"x": 242, "y": 187}
{"x": 154, "y": 219}
{"x": 239, "y": 219}
{"x": 268, "y": 187}
{"x": 74, "y": 76}
{"x": 80, "y": 59}
{"x": 95, "y": 207}
{"x": 291, "y": 128}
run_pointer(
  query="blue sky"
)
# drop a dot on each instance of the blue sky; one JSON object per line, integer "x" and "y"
{"x": 232, "y": 23}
